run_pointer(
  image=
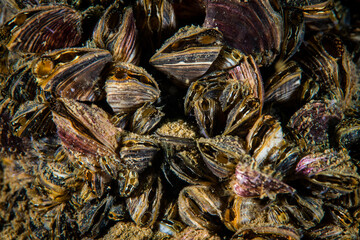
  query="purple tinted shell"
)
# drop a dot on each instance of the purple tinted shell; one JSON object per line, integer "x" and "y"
{"x": 252, "y": 183}
{"x": 253, "y": 27}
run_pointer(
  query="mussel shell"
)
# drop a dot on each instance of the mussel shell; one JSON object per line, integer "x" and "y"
{"x": 97, "y": 182}
{"x": 188, "y": 54}
{"x": 21, "y": 85}
{"x": 340, "y": 216}
{"x": 231, "y": 97}
{"x": 144, "y": 208}
{"x": 199, "y": 207}
{"x": 294, "y": 32}
{"x": 145, "y": 119}
{"x": 206, "y": 111}
{"x": 264, "y": 138}
{"x": 129, "y": 87}
{"x": 323, "y": 15}
{"x": 284, "y": 85}
{"x": 58, "y": 179}
{"x": 116, "y": 31}
{"x": 314, "y": 55}
{"x": 241, "y": 211}
{"x": 137, "y": 152}
{"x": 72, "y": 73}
{"x": 221, "y": 154}
{"x": 93, "y": 217}
{"x": 285, "y": 159}
{"x": 93, "y": 119}
{"x": 202, "y": 99}
{"x": 277, "y": 214}
{"x": 87, "y": 135}
{"x": 43, "y": 28}
{"x": 347, "y": 135}
{"x": 330, "y": 169}
{"x": 79, "y": 147}
{"x": 314, "y": 121}
{"x": 243, "y": 115}
{"x": 118, "y": 212}
{"x": 210, "y": 85}
{"x": 156, "y": 21}
{"x": 328, "y": 231}
{"x": 325, "y": 59}
{"x": 259, "y": 32}
{"x": 187, "y": 166}
{"x": 249, "y": 182}
{"x": 32, "y": 119}
{"x": 247, "y": 73}
{"x": 242, "y": 80}
{"x": 128, "y": 181}
{"x": 305, "y": 211}
{"x": 171, "y": 227}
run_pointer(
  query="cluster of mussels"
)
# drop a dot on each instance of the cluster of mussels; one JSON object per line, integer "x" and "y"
{"x": 179, "y": 119}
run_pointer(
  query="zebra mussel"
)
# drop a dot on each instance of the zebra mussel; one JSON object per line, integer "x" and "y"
{"x": 179, "y": 119}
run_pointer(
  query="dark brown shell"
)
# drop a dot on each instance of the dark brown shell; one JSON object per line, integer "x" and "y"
{"x": 116, "y": 31}
{"x": 187, "y": 166}
{"x": 59, "y": 27}
{"x": 21, "y": 85}
{"x": 326, "y": 60}
{"x": 144, "y": 208}
{"x": 137, "y": 152}
{"x": 145, "y": 119}
{"x": 284, "y": 85}
{"x": 72, "y": 73}
{"x": 294, "y": 32}
{"x": 199, "y": 207}
{"x": 93, "y": 216}
{"x": 253, "y": 27}
{"x": 221, "y": 154}
{"x": 156, "y": 21}
{"x": 232, "y": 97}
{"x": 348, "y": 135}
{"x": 32, "y": 119}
